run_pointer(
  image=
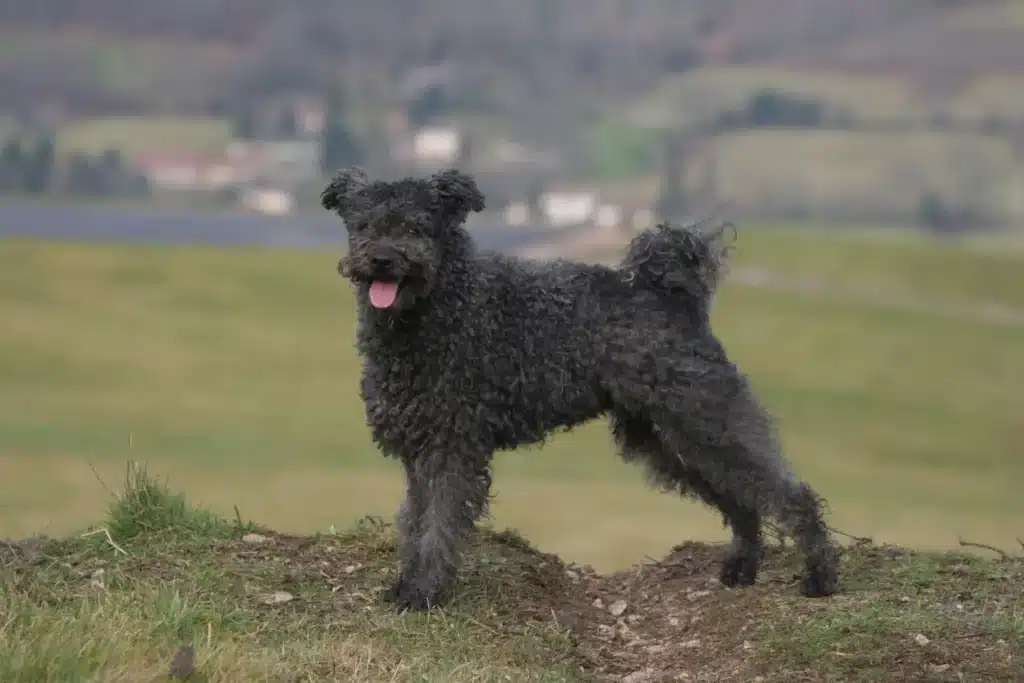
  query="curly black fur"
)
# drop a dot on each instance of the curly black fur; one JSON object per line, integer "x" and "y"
{"x": 475, "y": 353}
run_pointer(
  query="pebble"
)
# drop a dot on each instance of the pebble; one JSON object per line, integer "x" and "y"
{"x": 617, "y": 608}
{"x": 278, "y": 598}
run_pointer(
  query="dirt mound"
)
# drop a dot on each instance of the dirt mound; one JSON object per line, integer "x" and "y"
{"x": 521, "y": 614}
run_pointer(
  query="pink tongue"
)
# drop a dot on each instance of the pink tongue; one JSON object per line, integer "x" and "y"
{"x": 383, "y": 294}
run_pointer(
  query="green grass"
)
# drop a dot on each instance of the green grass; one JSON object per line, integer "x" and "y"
{"x": 233, "y": 372}
{"x": 705, "y": 91}
{"x": 135, "y": 135}
{"x": 827, "y": 172}
{"x": 161, "y": 590}
{"x": 170, "y": 576}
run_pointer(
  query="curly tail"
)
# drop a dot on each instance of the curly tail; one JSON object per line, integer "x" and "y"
{"x": 685, "y": 261}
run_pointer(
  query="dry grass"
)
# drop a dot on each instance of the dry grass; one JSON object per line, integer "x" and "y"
{"x": 165, "y": 591}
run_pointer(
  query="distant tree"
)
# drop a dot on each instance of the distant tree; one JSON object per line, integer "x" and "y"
{"x": 427, "y": 106}
{"x": 934, "y": 214}
{"x": 340, "y": 145}
{"x": 12, "y": 166}
{"x": 464, "y": 158}
{"x": 287, "y": 124}
{"x": 534, "y": 192}
{"x": 40, "y": 166}
{"x": 671, "y": 203}
{"x": 243, "y": 122}
{"x": 83, "y": 177}
{"x": 769, "y": 107}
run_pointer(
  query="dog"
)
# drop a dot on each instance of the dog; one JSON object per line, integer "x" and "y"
{"x": 467, "y": 353}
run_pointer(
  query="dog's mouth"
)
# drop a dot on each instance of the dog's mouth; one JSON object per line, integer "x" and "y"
{"x": 383, "y": 293}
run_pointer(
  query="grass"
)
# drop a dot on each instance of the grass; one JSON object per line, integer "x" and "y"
{"x": 705, "y": 91}
{"x": 826, "y": 172}
{"x": 233, "y": 372}
{"x": 135, "y": 135}
{"x": 162, "y": 590}
{"x": 90, "y": 608}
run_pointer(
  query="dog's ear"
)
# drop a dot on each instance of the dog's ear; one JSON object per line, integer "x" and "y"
{"x": 343, "y": 191}
{"x": 457, "y": 193}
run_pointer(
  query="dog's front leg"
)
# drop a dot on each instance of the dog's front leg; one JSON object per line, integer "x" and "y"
{"x": 457, "y": 492}
{"x": 409, "y": 527}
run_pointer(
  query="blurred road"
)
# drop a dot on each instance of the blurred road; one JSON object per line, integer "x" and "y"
{"x": 93, "y": 224}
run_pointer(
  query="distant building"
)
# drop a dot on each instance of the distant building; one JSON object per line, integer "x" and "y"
{"x": 517, "y": 214}
{"x": 268, "y": 201}
{"x": 168, "y": 171}
{"x": 567, "y": 207}
{"x": 436, "y": 145}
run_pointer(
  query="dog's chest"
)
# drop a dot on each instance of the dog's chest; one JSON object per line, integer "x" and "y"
{"x": 405, "y": 404}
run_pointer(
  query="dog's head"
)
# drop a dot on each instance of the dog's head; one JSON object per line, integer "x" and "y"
{"x": 400, "y": 232}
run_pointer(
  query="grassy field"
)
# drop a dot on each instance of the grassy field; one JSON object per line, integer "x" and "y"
{"x": 232, "y": 372}
{"x": 142, "y": 134}
{"x": 159, "y": 590}
{"x": 868, "y": 97}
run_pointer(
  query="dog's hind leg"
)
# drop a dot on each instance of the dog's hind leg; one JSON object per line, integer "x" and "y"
{"x": 638, "y": 440}
{"x": 744, "y": 464}
{"x": 456, "y": 494}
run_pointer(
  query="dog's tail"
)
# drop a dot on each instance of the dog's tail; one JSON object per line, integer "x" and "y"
{"x": 686, "y": 261}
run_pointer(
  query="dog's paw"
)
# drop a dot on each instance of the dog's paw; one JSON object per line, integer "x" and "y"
{"x": 408, "y": 596}
{"x": 739, "y": 569}
{"x": 395, "y": 590}
{"x": 821, "y": 575}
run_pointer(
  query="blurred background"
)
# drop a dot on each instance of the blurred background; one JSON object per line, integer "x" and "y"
{"x": 167, "y": 283}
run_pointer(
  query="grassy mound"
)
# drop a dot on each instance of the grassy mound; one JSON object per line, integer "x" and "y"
{"x": 166, "y": 591}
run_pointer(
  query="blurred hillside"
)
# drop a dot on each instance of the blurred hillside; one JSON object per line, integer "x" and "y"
{"x": 606, "y": 88}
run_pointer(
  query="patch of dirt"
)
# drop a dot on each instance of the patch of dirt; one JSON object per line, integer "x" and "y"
{"x": 901, "y": 615}
{"x": 658, "y": 621}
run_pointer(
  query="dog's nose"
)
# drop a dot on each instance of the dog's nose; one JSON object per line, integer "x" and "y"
{"x": 384, "y": 258}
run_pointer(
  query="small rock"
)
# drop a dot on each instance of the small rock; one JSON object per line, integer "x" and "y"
{"x": 939, "y": 668}
{"x": 921, "y": 639}
{"x": 758, "y": 679}
{"x": 691, "y": 644}
{"x": 656, "y": 649}
{"x": 278, "y": 598}
{"x": 98, "y": 575}
{"x": 747, "y": 645}
{"x": 617, "y": 608}
{"x": 351, "y": 569}
{"x": 254, "y": 538}
{"x": 697, "y": 595}
{"x": 905, "y": 598}
{"x": 639, "y": 676}
{"x": 633, "y": 618}
{"x": 605, "y": 631}
{"x": 572, "y": 576}
{"x": 598, "y": 603}
{"x": 673, "y": 621}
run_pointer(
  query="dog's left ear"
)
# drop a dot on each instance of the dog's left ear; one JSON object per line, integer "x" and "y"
{"x": 457, "y": 193}
{"x": 342, "y": 192}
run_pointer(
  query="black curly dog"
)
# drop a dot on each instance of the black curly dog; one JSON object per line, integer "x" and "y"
{"x": 469, "y": 353}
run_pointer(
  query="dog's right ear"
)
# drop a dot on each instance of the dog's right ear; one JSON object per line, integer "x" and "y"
{"x": 343, "y": 191}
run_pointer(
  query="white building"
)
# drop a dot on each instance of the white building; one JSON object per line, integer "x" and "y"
{"x": 439, "y": 145}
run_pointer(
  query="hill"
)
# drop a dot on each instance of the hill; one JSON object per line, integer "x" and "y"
{"x": 162, "y": 588}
